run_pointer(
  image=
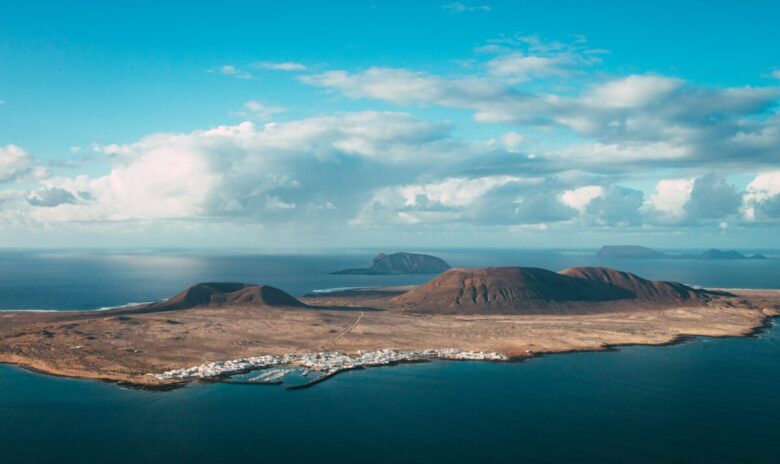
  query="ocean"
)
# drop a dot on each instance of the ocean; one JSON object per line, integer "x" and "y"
{"x": 706, "y": 400}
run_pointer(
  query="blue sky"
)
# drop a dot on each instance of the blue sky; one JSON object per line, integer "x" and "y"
{"x": 313, "y": 124}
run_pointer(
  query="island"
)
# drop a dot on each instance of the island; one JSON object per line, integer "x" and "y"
{"x": 258, "y": 334}
{"x": 400, "y": 263}
{"x": 640, "y": 252}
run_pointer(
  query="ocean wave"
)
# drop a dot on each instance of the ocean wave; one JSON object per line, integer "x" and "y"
{"x": 126, "y": 305}
{"x": 338, "y": 289}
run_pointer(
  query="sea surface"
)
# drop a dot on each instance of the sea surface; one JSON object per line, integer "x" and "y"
{"x": 706, "y": 400}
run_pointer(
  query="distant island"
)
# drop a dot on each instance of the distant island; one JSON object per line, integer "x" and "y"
{"x": 258, "y": 334}
{"x": 400, "y": 263}
{"x": 640, "y": 252}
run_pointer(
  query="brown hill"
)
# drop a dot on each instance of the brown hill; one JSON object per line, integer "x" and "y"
{"x": 646, "y": 290}
{"x": 226, "y": 294}
{"x": 504, "y": 290}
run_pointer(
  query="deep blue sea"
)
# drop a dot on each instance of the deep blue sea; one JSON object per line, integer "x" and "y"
{"x": 708, "y": 400}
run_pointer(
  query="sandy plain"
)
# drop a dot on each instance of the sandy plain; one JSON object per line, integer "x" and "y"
{"x": 126, "y": 344}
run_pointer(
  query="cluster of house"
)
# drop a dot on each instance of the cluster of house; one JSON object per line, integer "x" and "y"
{"x": 327, "y": 362}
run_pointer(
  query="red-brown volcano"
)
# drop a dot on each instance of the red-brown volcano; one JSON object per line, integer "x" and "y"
{"x": 226, "y": 294}
{"x": 656, "y": 291}
{"x": 504, "y": 290}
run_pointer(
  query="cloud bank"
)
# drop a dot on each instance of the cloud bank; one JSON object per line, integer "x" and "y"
{"x": 557, "y": 145}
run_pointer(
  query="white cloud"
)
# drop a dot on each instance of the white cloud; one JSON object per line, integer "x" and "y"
{"x": 231, "y": 70}
{"x": 632, "y": 91}
{"x": 404, "y": 86}
{"x": 14, "y": 162}
{"x": 579, "y": 198}
{"x": 512, "y": 141}
{"x": 556, "y": 155}
{"x": 617, "y": 153}
{"x": 457, "y": 191}
{"x": 257, "y": 110}
{"x": 497, "y": 199}
{"x": 616, "y": 206}
{"x": 776, "y": 74}
{"x": 458, "y": 7}
{"x": 670, "y": 197}
{"x": 765, "y": 185}
{"x": 625, "y": 119}
{"x": 611, "y": 205}
{"x": 275, "y": 203}
{"x": 243, "y": 171}
{"x": 517, "y": 67}
{"x": 761, "y": 199}
{"x": 164, "y": 178}
{"x": 280, "y": 66}
{"x": 675, "y": 202}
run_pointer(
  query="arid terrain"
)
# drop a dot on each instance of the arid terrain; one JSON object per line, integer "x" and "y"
{"x": 517, "y": 312}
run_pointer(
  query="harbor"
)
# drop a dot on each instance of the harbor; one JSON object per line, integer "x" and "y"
{"x": 313, "y": 368}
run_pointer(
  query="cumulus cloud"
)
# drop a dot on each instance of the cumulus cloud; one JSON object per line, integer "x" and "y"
{"x": 564, "y": 145}
{"x": 246, "y": 171}
{"x": 611, "y": 205}
{"x": 675, "y": 202}
{"x": 51, "y": 197}
{"x": 616, "y": 206}
{"x": 14, "y": 162}
{"x": 490, "y": 200}
{"x": 761, "y": 200}
{"x": 670, "y": 197}
{"x": 579, "y": 198}
{"x": 712, "y": 198}
{"x": 690, "y": 201}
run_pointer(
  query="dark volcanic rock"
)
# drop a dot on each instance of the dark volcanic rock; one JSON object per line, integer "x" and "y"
{"x": 226, "y": 294}
{"x": 718, "y": 254}
{"x": 635, "y": 251}
{"x": 504, "y": 290}
{"x": 628, "y": 251}
{"x": 731, "y": 254}
{"x": 401, "y": 263}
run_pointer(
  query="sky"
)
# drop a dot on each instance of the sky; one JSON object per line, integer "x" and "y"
{"x": 307, "y": 125}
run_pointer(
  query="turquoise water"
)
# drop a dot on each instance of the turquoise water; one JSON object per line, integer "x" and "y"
{"x": 708, "y": 400}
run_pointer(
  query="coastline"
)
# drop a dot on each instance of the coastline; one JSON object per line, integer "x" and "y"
{"x": 148, "y": 383}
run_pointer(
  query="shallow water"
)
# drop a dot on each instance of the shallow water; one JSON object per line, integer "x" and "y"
{"x": 709, "y": 400}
